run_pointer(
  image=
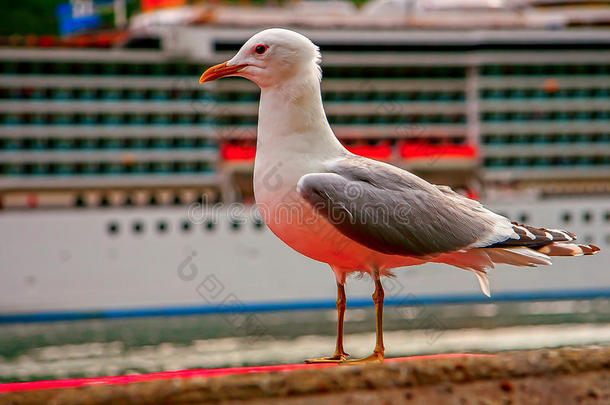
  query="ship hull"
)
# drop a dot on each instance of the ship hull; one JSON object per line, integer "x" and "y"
{"x": 95, "y": 261}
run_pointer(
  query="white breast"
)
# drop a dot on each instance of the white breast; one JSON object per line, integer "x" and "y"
{"x": 294, "y": 139}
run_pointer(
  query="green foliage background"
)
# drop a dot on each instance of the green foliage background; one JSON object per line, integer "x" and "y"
{"x": 28, "y": 17}
{"x": 38, "y": 16}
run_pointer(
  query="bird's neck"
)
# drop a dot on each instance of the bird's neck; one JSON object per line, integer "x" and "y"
{"x": 291, "y": 119}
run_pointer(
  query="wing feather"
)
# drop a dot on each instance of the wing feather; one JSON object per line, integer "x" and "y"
{"x": 395, "y": 212}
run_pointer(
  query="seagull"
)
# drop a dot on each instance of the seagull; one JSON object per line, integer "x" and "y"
{"x": 356, "y": 214}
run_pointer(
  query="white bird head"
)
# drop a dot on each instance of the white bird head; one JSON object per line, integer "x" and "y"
{"x": 271, "y": 57}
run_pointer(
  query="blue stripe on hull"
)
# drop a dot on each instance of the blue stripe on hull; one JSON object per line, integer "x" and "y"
{"x": 304, "y": 305}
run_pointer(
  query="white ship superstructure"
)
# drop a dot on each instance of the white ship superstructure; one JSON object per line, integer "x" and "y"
{"x": 114, "y": 163}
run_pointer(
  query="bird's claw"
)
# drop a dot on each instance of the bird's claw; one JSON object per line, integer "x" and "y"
{"x": 337, "y": 358}
{"x": 373, "y": 358}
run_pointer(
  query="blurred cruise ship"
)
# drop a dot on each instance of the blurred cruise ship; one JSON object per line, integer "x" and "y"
{"x": 126, "y": 187}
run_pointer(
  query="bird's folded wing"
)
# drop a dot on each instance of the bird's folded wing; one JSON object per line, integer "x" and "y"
{"x": 395, "y": 212}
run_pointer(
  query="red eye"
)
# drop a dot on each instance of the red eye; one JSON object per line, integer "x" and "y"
{"x": 260, "y": 49}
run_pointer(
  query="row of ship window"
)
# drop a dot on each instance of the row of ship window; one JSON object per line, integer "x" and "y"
{"x": 582, "y": 93}
{"x": 177, "y": 167}
{"x": 190, "y": 70}
{"x": 545, "y": 116}
{"x": 516, "y": 139}
{"x": 566, "y": 217}
{"x": 189, "y": 119}
{"x": 344, "y": 96}
{"x": 104, "y": 168}
{"x": 41, "y": 144}
{"x": 28, "y": 93}
{"x": 586, "y": 216}
{"x": 65, "y": 144}
{"x": 130, "y": 200}
{"x": 194, "y": 69}
{"x": 546, "y": 161}
{"x": 205, "y": 96}
{"x": 545, "y": 70}
{"x": 114, "y": 228}
{"x": 105, "y": 143}
{"x": 106, "y": 119}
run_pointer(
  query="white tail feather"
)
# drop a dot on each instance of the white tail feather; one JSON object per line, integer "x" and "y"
{"x": 474, "y": 259}
{"x": 480, "y": 260}
{"x": 518, "y": 256}
{"x": 483, "y": 282}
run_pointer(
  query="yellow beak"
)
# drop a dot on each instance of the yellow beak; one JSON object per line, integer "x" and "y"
{"x": 218, "y": 71}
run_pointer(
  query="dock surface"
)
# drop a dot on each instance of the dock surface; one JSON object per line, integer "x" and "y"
{"x": 549, "y": 376}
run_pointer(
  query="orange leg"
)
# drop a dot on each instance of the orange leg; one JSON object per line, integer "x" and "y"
{"x": 379, "y": 351}
{"x": 340, "y": 354}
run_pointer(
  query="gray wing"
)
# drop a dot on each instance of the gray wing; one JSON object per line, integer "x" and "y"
{"x": 395, "y": 212}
